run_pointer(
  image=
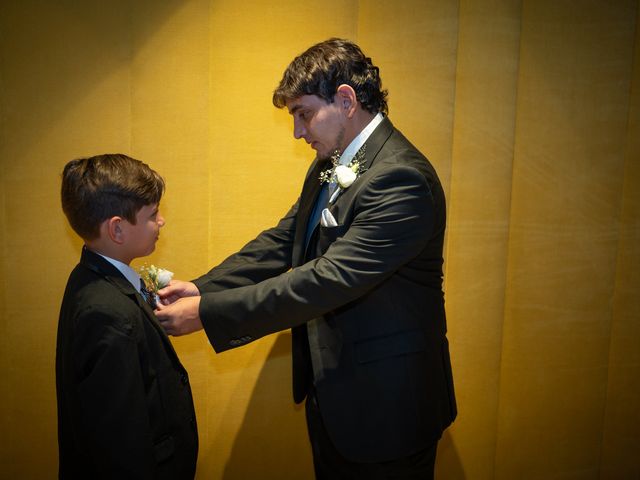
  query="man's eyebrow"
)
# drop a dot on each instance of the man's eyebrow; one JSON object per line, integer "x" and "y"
{"x": 295, "y": 109}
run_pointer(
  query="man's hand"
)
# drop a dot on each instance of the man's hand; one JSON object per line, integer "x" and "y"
{"x": 177, "y": 289}
{"x": 181, "y": 317}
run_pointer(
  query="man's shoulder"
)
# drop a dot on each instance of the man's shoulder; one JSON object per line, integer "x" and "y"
{"x": 398, "y": 150}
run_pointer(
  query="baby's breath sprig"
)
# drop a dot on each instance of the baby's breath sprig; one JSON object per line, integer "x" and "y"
{"x": 155, "y": 278}
{"x": 344, "y": 175}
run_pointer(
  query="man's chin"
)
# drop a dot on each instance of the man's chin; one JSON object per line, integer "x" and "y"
{"x": 321, "y": 154}
{"x": 324, "y": 156}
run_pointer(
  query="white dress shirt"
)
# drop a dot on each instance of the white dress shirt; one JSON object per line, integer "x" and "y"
{"x": 128, "y": 272}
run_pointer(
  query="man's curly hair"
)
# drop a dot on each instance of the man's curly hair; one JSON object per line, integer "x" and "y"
{"x": 324, "y": 67}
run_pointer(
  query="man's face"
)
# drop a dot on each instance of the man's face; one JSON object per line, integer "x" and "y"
{"x": 321, "y": 124}
{"x": 142, "y": 237}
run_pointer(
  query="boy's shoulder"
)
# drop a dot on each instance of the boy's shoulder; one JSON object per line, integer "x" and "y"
{"x": 97, "y": 300}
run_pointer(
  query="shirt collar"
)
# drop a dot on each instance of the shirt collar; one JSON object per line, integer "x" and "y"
{"x": 128, "y": 272}
{"x": 362, "y": 137}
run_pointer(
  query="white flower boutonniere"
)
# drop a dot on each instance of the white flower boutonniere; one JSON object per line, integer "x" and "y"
{"x": 155, "y": 278}
{"x": 344, "y": 175}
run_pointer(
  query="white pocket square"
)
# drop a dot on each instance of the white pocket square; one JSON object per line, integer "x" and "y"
{"x": 327, "y": 220}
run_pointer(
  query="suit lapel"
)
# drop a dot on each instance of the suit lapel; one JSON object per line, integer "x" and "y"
{"x": 372, "y": 147}
{"x": 111, "y": 274}
{"x": 376, "y": 140}
{"x": 311, "y": 186}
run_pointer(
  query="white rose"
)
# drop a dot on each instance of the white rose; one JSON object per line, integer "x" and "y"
{"x": 345, "y": 176}
{"x": 164, "y": 277}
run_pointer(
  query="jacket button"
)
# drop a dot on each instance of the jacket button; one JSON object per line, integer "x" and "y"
{"x": 184, "y": 379}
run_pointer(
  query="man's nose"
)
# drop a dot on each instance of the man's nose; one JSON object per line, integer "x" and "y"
{"x": 298, "y": 130}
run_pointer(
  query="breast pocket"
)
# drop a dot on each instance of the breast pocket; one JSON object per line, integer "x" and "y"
{"x": 328, "y": 235}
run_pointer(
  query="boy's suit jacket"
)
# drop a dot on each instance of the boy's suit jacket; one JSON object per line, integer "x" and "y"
{"x": 124, "y": 402}
{"x": 374, "y": 285}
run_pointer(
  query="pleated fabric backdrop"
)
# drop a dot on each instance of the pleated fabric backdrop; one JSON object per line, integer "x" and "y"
{"x": 528, "y": 109}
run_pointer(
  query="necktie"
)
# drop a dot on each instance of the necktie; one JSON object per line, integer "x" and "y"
{"x": 149, "y": 297}
{"x": 321, "y": 203}
{"x": 314, "y": 325}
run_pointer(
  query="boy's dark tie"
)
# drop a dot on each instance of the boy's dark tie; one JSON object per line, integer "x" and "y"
{"x": 149, "y": 297}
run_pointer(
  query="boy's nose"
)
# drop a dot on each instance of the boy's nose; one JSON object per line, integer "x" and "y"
{"x": 160, "y": 220}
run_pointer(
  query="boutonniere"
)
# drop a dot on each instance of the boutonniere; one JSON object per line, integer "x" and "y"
{"x": 344, "y": 175}
{"x": 155, "y": 278}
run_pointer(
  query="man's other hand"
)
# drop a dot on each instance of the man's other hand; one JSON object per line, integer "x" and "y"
{"x": 177, "y": 289}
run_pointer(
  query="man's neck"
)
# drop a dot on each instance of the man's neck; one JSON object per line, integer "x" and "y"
{"x": 360, "y": 120}
{"x": 360, "y": 139}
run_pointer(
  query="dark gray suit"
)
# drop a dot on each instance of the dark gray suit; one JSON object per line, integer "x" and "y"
{"x": 374, "y": 284}
{"x": 124, "y": 402}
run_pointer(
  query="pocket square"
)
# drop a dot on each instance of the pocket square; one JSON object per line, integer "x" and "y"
{"x": 327, "y": 220}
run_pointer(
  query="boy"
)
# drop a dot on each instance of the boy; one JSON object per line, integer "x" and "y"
{"x": 124, "y": 402}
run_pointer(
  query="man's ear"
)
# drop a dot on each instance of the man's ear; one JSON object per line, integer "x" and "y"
{"x": 115, "y": 230}
{"x": 347, "y": 99}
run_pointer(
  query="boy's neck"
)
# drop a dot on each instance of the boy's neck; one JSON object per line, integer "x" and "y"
{"x": 107, "y": 250}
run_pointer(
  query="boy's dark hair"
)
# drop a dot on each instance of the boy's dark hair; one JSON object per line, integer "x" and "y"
{"x": 97, "y": 188}
{"x": 327, "y": 65}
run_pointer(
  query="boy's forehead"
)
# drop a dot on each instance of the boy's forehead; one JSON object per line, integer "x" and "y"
{"x": 149, "y": 208}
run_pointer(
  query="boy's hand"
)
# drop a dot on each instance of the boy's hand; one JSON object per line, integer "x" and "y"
{"x": 181, "y": 317}
{"x": 177, "y": 289}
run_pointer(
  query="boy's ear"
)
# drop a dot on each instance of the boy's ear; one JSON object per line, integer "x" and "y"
{"x": 115, "y": 229}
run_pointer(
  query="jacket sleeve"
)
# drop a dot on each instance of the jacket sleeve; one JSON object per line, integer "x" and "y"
{"x": 268, "y": 255}
{"x": 113, "y": 410}
{"x": 393, "y": 220}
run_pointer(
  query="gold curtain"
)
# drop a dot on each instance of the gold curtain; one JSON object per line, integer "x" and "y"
{"x": 528, "y": 109}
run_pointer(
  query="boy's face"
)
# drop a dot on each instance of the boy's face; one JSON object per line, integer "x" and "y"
{"x": 141, "y": 238}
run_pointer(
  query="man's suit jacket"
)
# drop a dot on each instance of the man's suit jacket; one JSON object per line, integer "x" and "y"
{"x": 374, "y": 283}
{"x": 124, "y": 401}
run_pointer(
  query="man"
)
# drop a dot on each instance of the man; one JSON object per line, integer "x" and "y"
{"x": 355, "y": 269}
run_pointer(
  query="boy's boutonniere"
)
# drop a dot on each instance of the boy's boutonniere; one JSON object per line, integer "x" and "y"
{"x": 344, "y": 175}
{"x": 155, "y": 278}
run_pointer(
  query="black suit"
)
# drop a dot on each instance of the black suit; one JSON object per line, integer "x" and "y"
{"x": 124, "y": 402}
{"x": 374, "y": 283}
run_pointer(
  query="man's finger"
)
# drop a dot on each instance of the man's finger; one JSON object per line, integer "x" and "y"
{"x": 166, "y": 291}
